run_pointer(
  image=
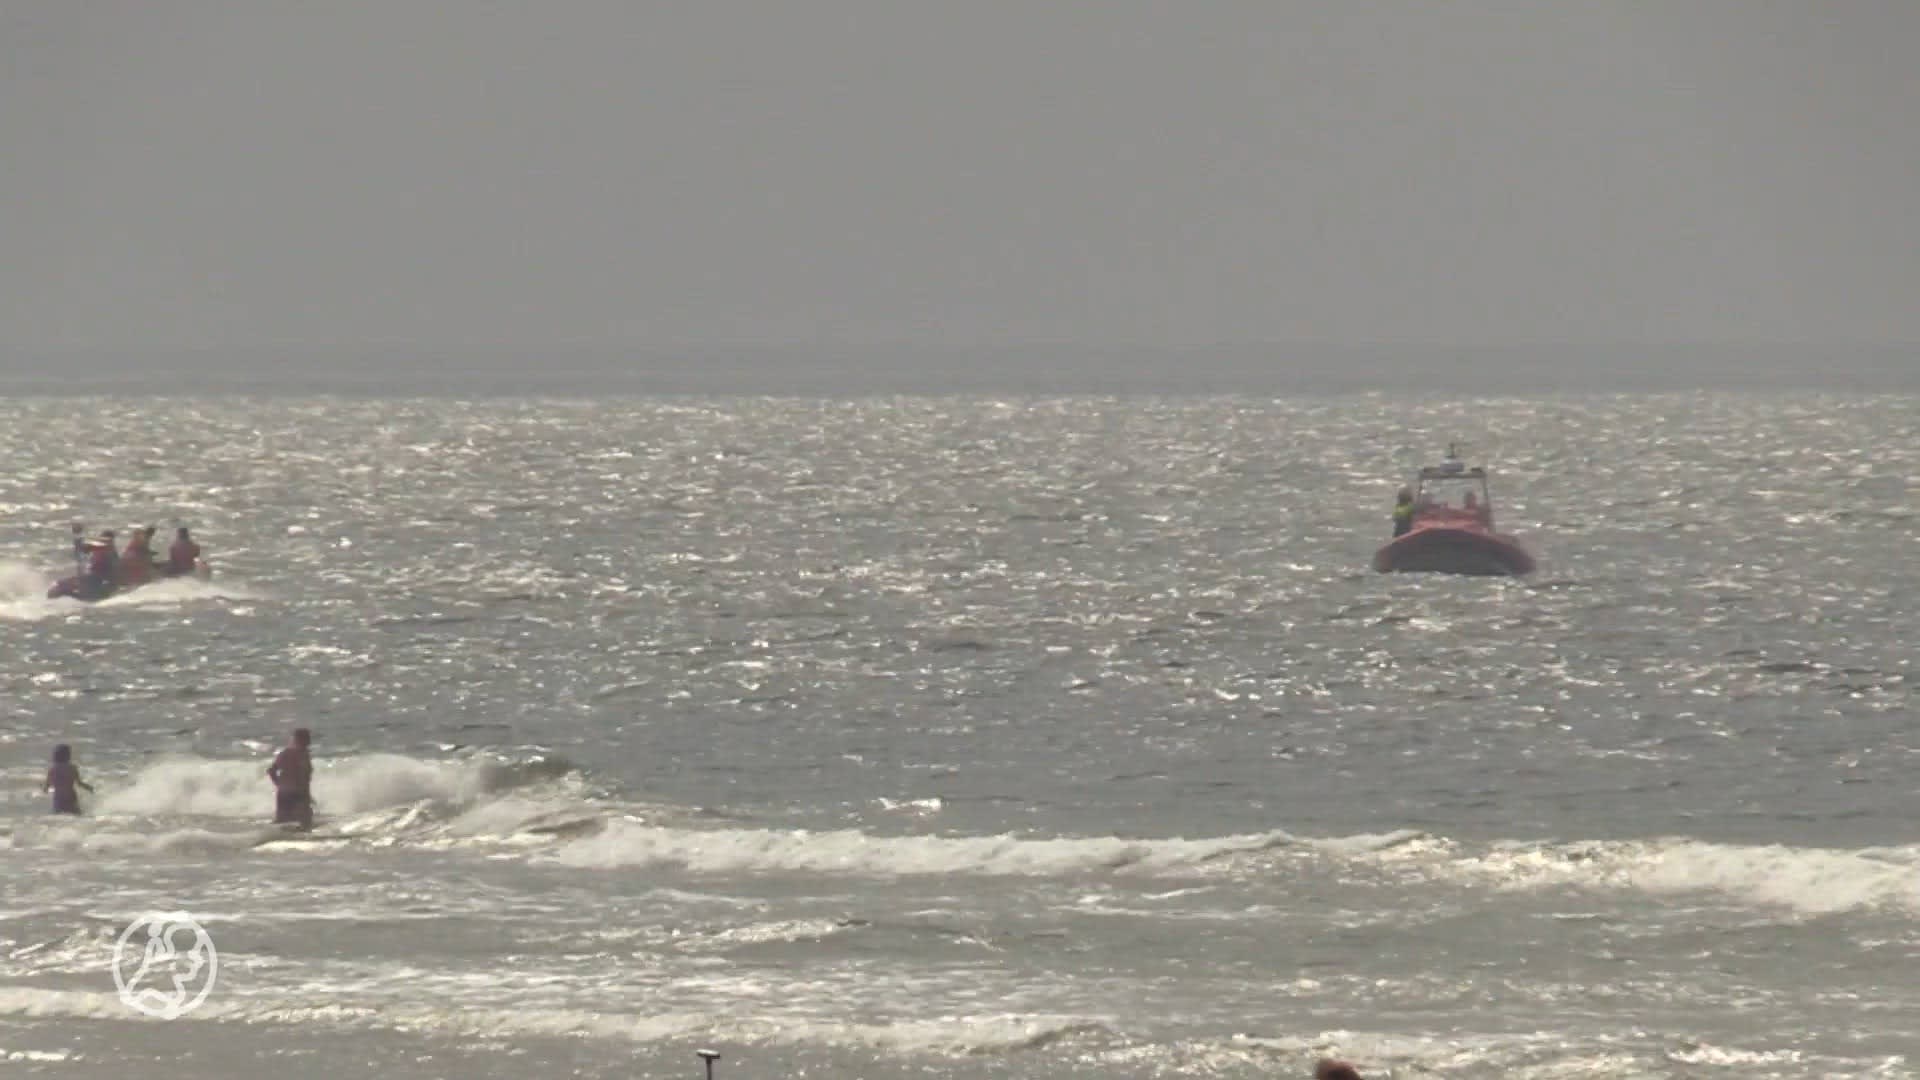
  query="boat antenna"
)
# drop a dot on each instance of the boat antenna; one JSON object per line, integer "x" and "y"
{"x": 709, "y": 1056}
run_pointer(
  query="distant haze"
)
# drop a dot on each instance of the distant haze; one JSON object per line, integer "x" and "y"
{"x": 395, "y": 175}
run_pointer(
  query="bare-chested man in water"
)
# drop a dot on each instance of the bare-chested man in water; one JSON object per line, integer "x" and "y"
{"x": 292, "y": 776}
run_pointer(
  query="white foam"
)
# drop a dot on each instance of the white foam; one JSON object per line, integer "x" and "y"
{"x": 167, "y": 841}
{"x": 36, "y": 1002}
{"x": 18, "y": 581}
{"x": 179, "y": 591}
{"x": 779, "y": 931}
{"x": 628, "y": 843}
{"x": 514, "y": 815}
{"x": 1813, "y": 881}
{"x": 394, "y": 793}
{"x": 375, "y": 781}
{"x": 23, "y": 594}
{"x": 1728, "y": 1057}
{"x": 920, "y": 807}
{"x": 191, "y": 786}
{"x": 39, "y": 1056}
{"x": 954, "y": 1035}
{"x": 240, "y": 789}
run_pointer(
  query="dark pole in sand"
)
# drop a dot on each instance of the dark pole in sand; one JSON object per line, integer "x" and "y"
{"x": 709, "y": 1056}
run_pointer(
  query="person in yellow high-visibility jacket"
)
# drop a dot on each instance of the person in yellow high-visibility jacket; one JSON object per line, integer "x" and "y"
{"x": 1403, "y": 513}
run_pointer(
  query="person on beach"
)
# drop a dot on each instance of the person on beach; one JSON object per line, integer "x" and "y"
{"x": 63, "y": 779}
{"x": 292, "y": 776}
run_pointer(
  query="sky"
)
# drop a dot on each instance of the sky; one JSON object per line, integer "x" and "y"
{"x": 207, "y": 175}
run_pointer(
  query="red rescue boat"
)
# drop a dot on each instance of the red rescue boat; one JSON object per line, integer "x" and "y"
{"x": 81, "y": 587}
{"x": 87, "y": 587}
{"x": 1450, "y": 530}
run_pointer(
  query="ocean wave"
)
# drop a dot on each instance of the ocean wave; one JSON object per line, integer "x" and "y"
{"x": 1544, "y": 1055}
{"x": 341, "y": 786}
{"x": 238, "y": 789}
{"x": 1812, "y": 881}
{"x": 198, "y": 806}
{"x": 955, "y": 1036}
{"x": 1805, "y": 881}
{"x": 98, "y": 837}
{"x": 631, "y": 844}
{"x": 540, "y": 805}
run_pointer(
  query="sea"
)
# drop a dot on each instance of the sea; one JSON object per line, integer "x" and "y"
{"x": 963, "y": 736}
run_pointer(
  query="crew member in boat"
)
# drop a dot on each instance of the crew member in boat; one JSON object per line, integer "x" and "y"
{"x": 136, "y": 563}
{"x": 103, "y": 564}
{"x": 1403, "y": 513}
{"x": 1473, "y": 506}
{"x": 184, "y": 555}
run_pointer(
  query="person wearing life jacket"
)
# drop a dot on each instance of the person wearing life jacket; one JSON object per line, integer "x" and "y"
{"x": 184, "y": 556}
{"x": 136, "y": 562}
{"x": 103, "y": 565}
{"x": 1403, "y": 513}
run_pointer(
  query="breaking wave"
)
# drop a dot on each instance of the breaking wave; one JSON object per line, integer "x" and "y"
{"x": 952, "y": 1036}
{"x": 238, "y": 789}
{"x": 1812, "y": 881}
{"x": 542, "y": 805}
{"x": 197, "y": 802}
{"x": 1809, "y": 881}
{"x": 628, "y": 844}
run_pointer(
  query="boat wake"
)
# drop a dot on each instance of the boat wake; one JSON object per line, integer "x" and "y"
{"x": 23, "y": 595}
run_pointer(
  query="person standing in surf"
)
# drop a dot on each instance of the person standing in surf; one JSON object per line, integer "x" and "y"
{"x": 63, "y": 779}
{"x": 292, "y": 776}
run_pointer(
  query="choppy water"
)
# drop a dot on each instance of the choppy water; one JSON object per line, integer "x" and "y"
{"x": 964, "y": 738}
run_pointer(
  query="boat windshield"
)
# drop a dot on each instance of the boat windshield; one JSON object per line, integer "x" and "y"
{"x": 1452, "y": 486}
